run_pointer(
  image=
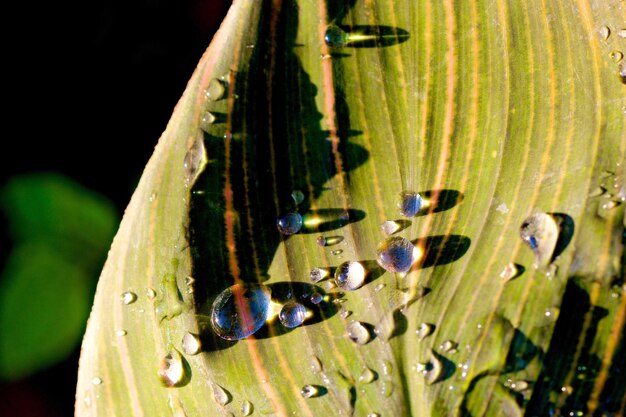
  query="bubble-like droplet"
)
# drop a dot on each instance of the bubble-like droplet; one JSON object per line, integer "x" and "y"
{"x": 96, "y": 380}
{"x": 246, "y": 408}
{"x": 240, "y": 310}
{"x": 367, "y": 376}
{"x": 335, "y": 37}
{"x": 358, "y": 333}
{"x": 220, "y": 395}
{"x": 297, "y": 196}
{"x": 292, "y": 314}
{"x": 449, "y": 346}
{"x": 316, "y": 298}
{"x": 397, "y": 254}
{"x": 216, "y": 89}
{"x": 350, "y": 275}
{"x": 410, "y": 203}
{"x": 509, "y": 272}
{"x": 540, "y": 232}
{"x": 424, "y": 330}
{"x": 171, "y": 370}
{"x": 191, "y": 344}
{"x": 208, "y": 119}
{"x": 128, "y": 297}
{"x": 290, "y": 223}
{"x": 604, "y": 32}
{"x": 390, "y": 227}
{"x": 318, "y": 274}
{"x": 616, "y": 56}
{"x": 309, "y": 391}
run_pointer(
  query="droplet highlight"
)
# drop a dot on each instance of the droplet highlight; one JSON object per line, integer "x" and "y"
{"x": 240, "y": 310}
{"x": 350, "y": 275}
{"x": 292, "y": 314}
{"x": 290, "y": 223}
{"x": 410, "y": 203}
{"x": 358, "y": 333}
{"x": 397, "y": 254}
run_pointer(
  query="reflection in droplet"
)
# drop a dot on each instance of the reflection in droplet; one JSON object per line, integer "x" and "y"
{"x": 171, "y": 370}
{"x": 424, "y": 330}
{"x": 240, "y": 310}
{"x": 290, "y": 223}
{"x": 246, "y": 408}
{"x": 216, "y": 89}
{"x": 509, "y": 272}
{"x": 297, "y": 196}
{"x": 358, "y": 333}
{"x": 604, "y": 32}
{"x": 410, "y": 203}
{"x": 128, "y": 297}
{"x": 367, "y": 376}
{"x": 220, "y": 395}
{"x": 449, "y": 346}
{"x": 397, "y": 254}
{"x": 96, "y": 380}
{"x": 292, "y": 314}
{"x": 390, "y": 227}
{"x": 616, "y": 56}
{"x": 309, "y": 391}
{"x": 540, "y": 232}
{"x": 191, "y": 344}
{"x": 318, "y": 274}
{"x": 350, "y": 275}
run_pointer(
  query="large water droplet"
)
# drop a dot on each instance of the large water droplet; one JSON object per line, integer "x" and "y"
{"x": 246, "y": 408}
{"x": 171, "y": 370}
{"x": 410, "y": 203}
{"x": 128, "y": 297}
{"x": 397, "y": 254}
{"x": 424, "y": 330}
{"x": 290, "y": 223}
{"x": 367, "y": 376}
{"x": 318, "y": 274}
{"x": 309, "y": 391}
{"x": 350, "y": 275}
{"x": 358, "y": 333}
{"x": 240, "y": 310}
{"x": 216, "y": 89}
{"x": 220, "y": 395}
{"x": 540, "y": 232}
{"x": 292, "y": 314}
{"x": 390, "y": 227}
{"x": 335, "y": 37}
{"x": 191, "y": 344}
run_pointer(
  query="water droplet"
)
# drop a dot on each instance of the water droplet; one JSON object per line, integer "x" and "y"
{"x": 128, "y": 297}
{"x": 350, "y": 275}
{"x": 621, "y": 33}
{"x": 358, "y": 333}
{"x": 373, "y": 415}
{"x": 397, "y": 254}
{"x": 96, "y": 380}
{"x": 622, "y": 73}
{"x": 297, "y": 196}
{"x": 604, "y": 32}
{"x": 246, "y": 408}
{"x": 292, "y": 314}
{"x": 121, "y": 333}
{"x": 171, "y": 370}
{"x": 151, "y": 294}
{"x": 424, "y": 330}
{"x": 335, "y": 37}
{"x": 386, "y": 388}
{"x": 379, "y": 287}
{"x": 208, "y": 119}
{"x": 390, "y": 227}
{"x": 316, "y": 298}
{"x": 216, "y": 89}
{"x": 337, "y": 252}
{"x": 616, "y": 56}
{"x": 410, "y": 203}
{"x": 387, "y": 367}
{"x": 509, "y": 272}
{"x": 449, "y": 346}
{"x": 328, "y": 285}
{"x": 321, "y": 241}
{"x": 316, "y": 364}
{"x": 220, "y": 395}
{"x": 333, "y": 240}
{"x": 516, "y": 385}
{"x": 432, "y": 370}
{"x": 540, "y": 232}
{"x": 290, "y": 223}
{"x": 193, "y": 159}
{"x": 309, "y": 391}
{"x": 386, "y": 326}
{"x": 191, "y": 344}
{"x": 502, "y": 208}
{"x": 318, "y": 274}
{"x": 240, "y": 310}
{"x": 345, "y": 314}
{"x": 367, "y": 376}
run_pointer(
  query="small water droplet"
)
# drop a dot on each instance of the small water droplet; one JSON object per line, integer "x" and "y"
{"x": 220, "y": 395}
{"x": 290, "y": 223}
{"x": 386, "y": 388}
{"x": 335, "y": 37}
{"x": 208, "y": 119}
{"x": 240, "y": 310}
{"x": 604, "y": 32}
{"x": 397, "y": 254}
{"x": 121, "y": 333}
{"x": 321, "y": 241}
{"x": 328, "y": 285}
{"x": 171, "y": 370}
{"x": 316, "y": 298}
{"x": 96, "y": 380}
{"x": 151, "y": 294}
{"x": 390, "y": 227}
{"x": 567, "y": 389}
{"x": 193, "y": 159}
{"x": 432, "y": 369}
{"x": 516, "y": 385}
{"x": 597, "y": 192}
{"x": 616, "y": 56}
{"x": 191, "y": 344}
{"x": 297, "y": 196}
{"x": 449, "y": 346}
{"x": 358, "y": 333}
{"x": 387, "y": 367}
{"x": 318, "y": 274}
{"x": 246, "y": 408}
{"x": 622, "y": 73}
{"x": 128, "y": 297}
{"x": 509, "y": 272}
{"x": 379, "y": 287}
{"x": 216, "y": 89}
{"x": 621, "y": 33}
{"x": 373, "y": 415}
{"x": 540, "y": 232}
{"x": 153, "y": 197}
{"x": 410, "y": 203}
{"x": 309, "y": 391}
{"x": 337, "y": 252}
{"x": 502, "y": 208}
{"x": 424, "y": 330}
{"x": 350, "y": 275}
{"x": 345, "y": 314}
{"x": 316, "y": 364}
{"x": 367, "y": 376}
{"x": 292, "y": 314}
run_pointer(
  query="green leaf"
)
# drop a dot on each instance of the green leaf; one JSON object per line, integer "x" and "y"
{"x": 491, "y": 111}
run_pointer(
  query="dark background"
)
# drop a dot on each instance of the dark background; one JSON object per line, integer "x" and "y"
{"x": 88, "y": 89}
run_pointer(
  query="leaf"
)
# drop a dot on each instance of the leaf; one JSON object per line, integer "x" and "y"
{"x": 493, "y": 112}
